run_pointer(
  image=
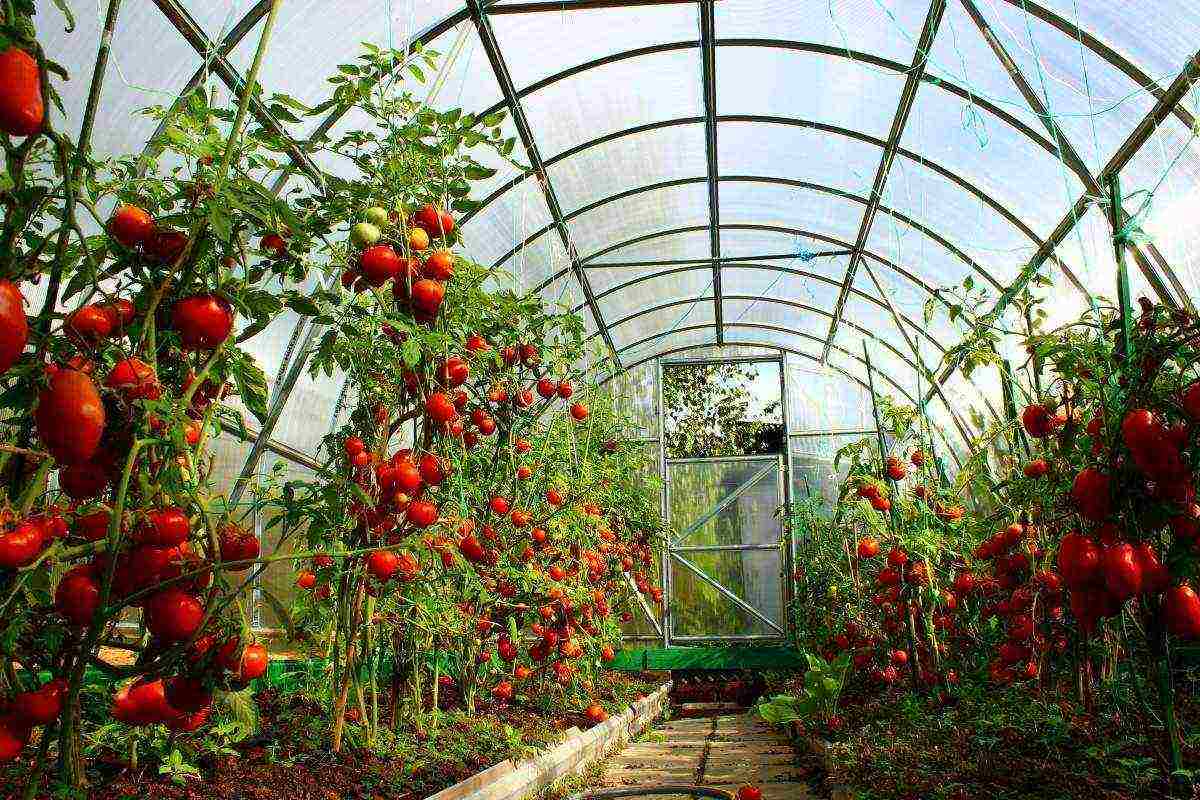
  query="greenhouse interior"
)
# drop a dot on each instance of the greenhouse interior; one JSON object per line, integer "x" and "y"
{"x": 596, "y": 399}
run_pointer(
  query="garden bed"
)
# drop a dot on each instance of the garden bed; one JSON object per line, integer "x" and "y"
{"x": 290, "y": 758}
{"x": 993, "y": 743}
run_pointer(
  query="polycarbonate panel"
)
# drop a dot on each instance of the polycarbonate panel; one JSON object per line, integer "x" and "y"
{"x": 1094, "y": 104}
{"x": 676, "y": 340}
{"x": 1160, "y": 36}
{"x": 908, "y": 299}
{"x": 870, "y": 319}
{"x": 836, "y": 90}
{"x": 758, "y": 203}
{"x": 649, "y": 292}
{"x": 506, "y": 222}
{"x": 697, "y": 609}
{"x": 791, "y": 151}
{"x": 698, "y": 486}
{"x": 930, "y": 260}
{"x": 640, "y": 159}
{"x": 683, "y": 245}
{"x": 1160, "y": 187}
{"x": 885, "y": 27}
{"x": 317, "y": 47}
{"x": 995, "y": 157}
{"x": 308, "y": 411}
{"x": 958, "y": 216}
{"x": 753, "y": 576}
{"x": 848, "y": 347}
{"x": 538, "y": 45}
{"x": 761, "y": 311}
{"x": 663, "y": 324}
{"x": 749, "y": 332}
{"x": 813, "y": 473}
{"x": 138, "y": 76}
{"x": 639, "y": 214}
{"x": 757, "y": 244}
{"x": 605, "y": 99}
{"x": 820, "y": 399}
{"x": 636, "y": 393}
{"x": 536, "y": 262}
{"x": 763, "y": 281}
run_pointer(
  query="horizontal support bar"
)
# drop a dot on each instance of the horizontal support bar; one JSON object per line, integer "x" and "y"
{"x": 726, "y": 548}
{"x": 718, "y": 459}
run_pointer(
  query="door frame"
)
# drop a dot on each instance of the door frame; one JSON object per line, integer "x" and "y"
{"x": 673, "y": 548}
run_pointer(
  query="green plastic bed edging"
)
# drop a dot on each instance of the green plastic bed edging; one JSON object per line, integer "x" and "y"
{"x": 708, "y": 658}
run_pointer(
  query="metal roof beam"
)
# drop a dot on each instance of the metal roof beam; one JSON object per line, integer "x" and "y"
{"x": 798, "y": 184}
{"x": 191, "y": 31}
{"x": 500, "y": 67}
{"x": 821, "y": 237}
{"x": 581, "y": 5}
{"x": 933, "y": 21}
{"x": 708, "y": 71}
{"x": 1123, "y": 155}
{"x": 798, "y": 354}
{"x": 808, "y": 309}
{"x": 776, "y": 329}
{"x": 228, "y": 44}
{"x": 1102, "y": 49}
{"x": 788, "y": 270}
{"x": 1067, "y": 153}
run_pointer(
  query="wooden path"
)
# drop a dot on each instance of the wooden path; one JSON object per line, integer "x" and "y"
{"x": 723, "y": 752}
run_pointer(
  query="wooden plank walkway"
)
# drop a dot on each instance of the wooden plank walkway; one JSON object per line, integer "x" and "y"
{"x": 724, "y": 752}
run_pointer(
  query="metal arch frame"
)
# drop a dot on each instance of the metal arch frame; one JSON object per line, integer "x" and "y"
{"x": 187, "y": 26}
{"x": 820, "y": 188}
{"x": 511, "y": 98}
{"x": 774, "y": 268}
{"x": 801, "y": 307}
{"x": 1168, "y": 101}
{"x": 784, "y": 349}
{"x": 230, "y": 42}
{"x": 765, "y": 119}
{"x": 899, "y": 319}
{"x": 708, "y": 76}
{"x": 1188, "y": 75}
{"x": 898, "y": 269}
{"x": 908, "y": 96}
{"x": 1069, "y": 154}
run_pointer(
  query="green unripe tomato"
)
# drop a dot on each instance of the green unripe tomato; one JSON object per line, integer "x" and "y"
{"x": 364, "y": 234}
{"x": 377, "y": 216}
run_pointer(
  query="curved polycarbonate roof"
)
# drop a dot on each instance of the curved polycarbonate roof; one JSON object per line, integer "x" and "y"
{"x": 761, "y": 176}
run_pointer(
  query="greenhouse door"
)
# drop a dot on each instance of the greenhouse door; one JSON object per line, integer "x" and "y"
{"x": 724, "y": 567}
{"x": 724, "y": 574}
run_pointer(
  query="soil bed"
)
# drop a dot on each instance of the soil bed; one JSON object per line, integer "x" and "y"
{"x": 289, "y": 758}
{"x": 1000, "y": 744}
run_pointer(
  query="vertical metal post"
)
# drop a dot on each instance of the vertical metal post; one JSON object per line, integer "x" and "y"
{"x": 1123, "y": 299}
{"x": 1007, "y": 384}
{"x": 789, "y": 555}
{"x": 667, "y": 615}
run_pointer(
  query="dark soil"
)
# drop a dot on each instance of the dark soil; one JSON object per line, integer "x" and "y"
{"x": 290, "y": 757}
{"x": 992, "y": 743}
